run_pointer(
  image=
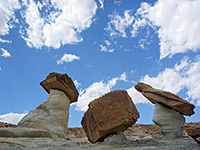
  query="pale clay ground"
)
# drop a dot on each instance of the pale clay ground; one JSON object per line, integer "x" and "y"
{"x": 114, "y": 142}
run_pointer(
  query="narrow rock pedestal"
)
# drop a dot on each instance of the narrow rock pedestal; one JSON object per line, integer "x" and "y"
{"x": 169, "y": 110}
{"x": 49, "y": 119}
{"x": 170, "y": 121}
{"x": 51, "y": 115}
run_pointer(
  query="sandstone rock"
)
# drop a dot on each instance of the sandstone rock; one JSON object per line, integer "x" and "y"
{"x": 170, "y": 121}
{"x": 165, "y": 98}
{"x": 193, "y": 130}
{"x": 51, "y": 115}
{"x": 108, "y": 114}
{"x": 61, "y": 82}
{"x": 116, "y": 138}
{"x": 6, "y": 125}
{"x": 24, "y": 132}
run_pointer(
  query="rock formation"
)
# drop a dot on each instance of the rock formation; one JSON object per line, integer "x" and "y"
{"x": 170, "y": 121}
{"x": 61, "y": 82}
{"x": 108, "y": 114}
{"x": 193, "y": 130}
{"x": 169, "y": 110}
{"x": 49, "y": 119}
{"x": 166, "y": 98}
{"x": 51, "y": 115}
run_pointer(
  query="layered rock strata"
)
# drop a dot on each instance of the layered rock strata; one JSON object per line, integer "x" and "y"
{"x": 166, "y": 98}
{"x": 51, "y": 115}
{"x": 61, "y": 82}
{"x": 108, "y": 114}
{"x": 193, "y": 130}
{"x": 171, "y": 122}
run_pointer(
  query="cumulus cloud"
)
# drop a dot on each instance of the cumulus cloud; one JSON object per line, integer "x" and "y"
{"x": 5, "y": 53}
{"x": 34, "y": 35}
{"x": 7, "y": 15}
{"x": 67, "y": 58}
{"x": 60, "y": 24}
{"x": 96, "y": 90}
{"x": 12, "y": 118}
{"x": 118, "y": 24}
{"x": 182, "y": 75}
{"x": 177, "y": 23}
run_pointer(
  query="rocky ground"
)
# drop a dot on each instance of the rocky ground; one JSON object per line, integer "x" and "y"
{"x": 6, "y": 125}
{"x": 138, "y": 137}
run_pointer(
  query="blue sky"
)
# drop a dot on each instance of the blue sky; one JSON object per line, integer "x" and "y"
{"x": 103, "y": 45}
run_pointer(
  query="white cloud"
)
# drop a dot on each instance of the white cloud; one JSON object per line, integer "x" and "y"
{"x": 136, "y": 96}
{"x": 61, "y": 23}
{"x": 118, "y": 25}
{"x": 141, "y": 18}
{"x": 67, "y": 58}
{"x": 177, "y": 22}
{"x": 117, "y": 2}
{"x": 107, "y": 43}
{"x": 101, "y": 2}
{"x": 123, "y": 77}
{"x": 198, "y": 103}
{"x": 106, "y": 48}
{"x": 12, "y": 118}
{"x": 183, "y": 75}
{"x": 95, "y": 90}
{"x": 77, "y": 84}
{"x": 5, "y": 53}
{"x": 34, "y": 35}
{"x": 0, "y": 69}
{"x": 5, "y": 41}
{"x": 7, "y": 15}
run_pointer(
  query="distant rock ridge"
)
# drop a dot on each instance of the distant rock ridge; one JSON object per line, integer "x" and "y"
{"x": 7, "y": 125}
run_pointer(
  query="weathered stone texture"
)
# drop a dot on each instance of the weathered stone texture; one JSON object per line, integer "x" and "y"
{"x": 166, "y": 98}
{"x": 171, "y": 122}
{"x": 51, "y": 115}
{"x": 61, "y": 82}
{"x": 193, "y": 130}
{"x": 108, "y": 114}
{"x": 24, "y": 132}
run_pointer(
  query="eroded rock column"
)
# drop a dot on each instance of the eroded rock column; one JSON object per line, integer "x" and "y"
{"x": 169, "y": 110}
{"x": 51, "y": 115}
{"x": 49, "y": 119}
{"x": 171, "y": 122}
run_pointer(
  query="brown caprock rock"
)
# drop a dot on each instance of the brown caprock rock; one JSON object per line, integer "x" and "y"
{"x": 166, "y": 98}
{"x": 61, "y": 82}
{"x": 108, "y": 114}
